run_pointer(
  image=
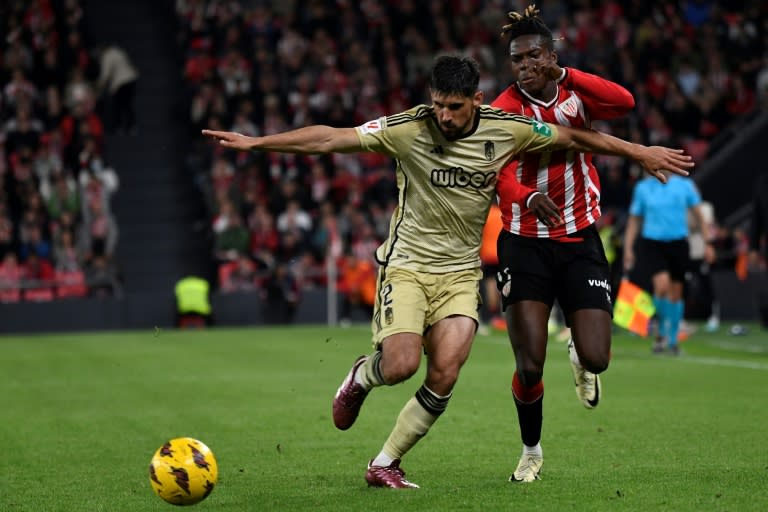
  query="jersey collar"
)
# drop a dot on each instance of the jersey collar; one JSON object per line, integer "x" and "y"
{"x": 545, "y": 104}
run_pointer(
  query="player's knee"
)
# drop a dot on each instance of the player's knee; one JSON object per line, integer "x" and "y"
{"x": 597, "y": 363}
{"x": 529, "y": 377}
{"x": 401, "y": 370}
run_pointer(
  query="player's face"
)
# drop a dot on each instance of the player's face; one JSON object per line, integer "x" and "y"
{"x": 455, "y": 114}
{"x": 529, "y": 55}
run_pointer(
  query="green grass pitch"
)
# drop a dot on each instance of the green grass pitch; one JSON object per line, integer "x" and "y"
{"x": 81, "y": 416}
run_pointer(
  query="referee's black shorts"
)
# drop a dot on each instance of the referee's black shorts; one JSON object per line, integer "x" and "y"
{"x": 575, "y": 272}
{"x": 670, "y": 256}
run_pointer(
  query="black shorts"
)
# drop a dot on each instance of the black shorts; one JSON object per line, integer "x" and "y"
{"x": 576, "y": 272}
{"x": 671, "y": 256}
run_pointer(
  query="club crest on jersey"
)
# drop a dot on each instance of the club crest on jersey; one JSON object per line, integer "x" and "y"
{"x": 569, "y": 107}
{"x": 372, "y": 126}
{"x": 490, "y": 150}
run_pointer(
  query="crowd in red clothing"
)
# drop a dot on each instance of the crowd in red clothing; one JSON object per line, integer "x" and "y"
{"x": 263, "y": 67}
{"x": 57, "y": 234}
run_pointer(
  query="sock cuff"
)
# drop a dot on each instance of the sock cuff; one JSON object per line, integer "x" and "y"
{"x": 376, "y": 367}
{"x": 431, "y": 401}
{"x": 526, "y": 395}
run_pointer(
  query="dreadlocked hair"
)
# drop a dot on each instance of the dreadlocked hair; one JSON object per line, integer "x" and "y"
{"x": 528, "y": 23}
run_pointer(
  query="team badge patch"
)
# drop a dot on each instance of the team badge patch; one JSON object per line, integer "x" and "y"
{"x": 373, "y": 126}
{"x": 490, "y": 150}
{"x": 569, "y": 107}
{"x": 542, "y": 129}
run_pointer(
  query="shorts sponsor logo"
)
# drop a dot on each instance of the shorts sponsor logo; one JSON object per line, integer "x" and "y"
{"x": 601, "y": 283}
{"x": 458, "y": 177}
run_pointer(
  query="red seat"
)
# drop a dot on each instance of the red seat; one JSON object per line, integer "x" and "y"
{"x": 38, "y": 294}
{"x": 71, "y": 284}
{"x": 225, "y": 271}
{"x": 10, "y": 295}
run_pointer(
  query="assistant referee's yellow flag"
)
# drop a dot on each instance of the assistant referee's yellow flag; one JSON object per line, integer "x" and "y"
{"x": 634, "y": 308}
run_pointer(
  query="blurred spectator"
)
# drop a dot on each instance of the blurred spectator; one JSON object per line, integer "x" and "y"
{"x": 357, "y": 284}
{"x": 758, "y": 233}
{"x": 117, "y": 83}
{"x": 239, "y": 276}
{"x": 10, "y": 278}
{"x": 281, "y": 296}
{"x": 232, "y": 239}
{"x": 100, "y": 231}
{"x": 66, "y": 256}
{"x": 340, "y": 63}
{"x": 38, "y": 278}
{"x": 101, "y": 276}
{"x": 50, "y": 143}
{"x": 7, "y": 239}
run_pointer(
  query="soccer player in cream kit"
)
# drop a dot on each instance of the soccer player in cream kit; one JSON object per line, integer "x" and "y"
{"x": 448, "y": 156}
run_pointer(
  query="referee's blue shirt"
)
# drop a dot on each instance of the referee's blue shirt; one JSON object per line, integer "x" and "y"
{"x": 664, "y": 207}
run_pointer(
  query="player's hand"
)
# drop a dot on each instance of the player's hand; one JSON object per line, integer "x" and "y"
{"x": 551, "y": 70}
{"x": 545, "y": 210}
{"x": 232, "y": 140}
{"x": 656, "y": 160}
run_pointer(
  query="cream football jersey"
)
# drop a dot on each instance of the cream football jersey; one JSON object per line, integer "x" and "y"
{"x": 445, "y": 187}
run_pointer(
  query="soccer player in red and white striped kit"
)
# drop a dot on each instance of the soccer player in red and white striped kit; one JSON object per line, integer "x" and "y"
{"x": 549, "y": 247}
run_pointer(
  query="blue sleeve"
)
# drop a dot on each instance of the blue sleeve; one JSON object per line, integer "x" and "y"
{"x": 694, "y": 197}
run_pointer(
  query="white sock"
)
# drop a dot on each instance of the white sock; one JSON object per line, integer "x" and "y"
{"x": 573, "y": 355}
{"x": 357, "y": 378}
{"x": 533, "y": 450}
{"x": 382, "y": 460}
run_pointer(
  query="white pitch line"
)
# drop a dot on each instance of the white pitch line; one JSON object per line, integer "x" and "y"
{"x": 717, "y": 361}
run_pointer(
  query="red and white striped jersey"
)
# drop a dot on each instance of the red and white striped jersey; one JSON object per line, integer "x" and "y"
{"x": 568, "y": 177}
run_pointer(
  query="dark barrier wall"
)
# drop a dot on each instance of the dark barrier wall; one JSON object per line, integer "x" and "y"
{"x": 740, "y": 301}
{"x": 144, "y": 311}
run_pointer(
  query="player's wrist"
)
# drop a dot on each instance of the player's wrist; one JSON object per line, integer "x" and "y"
{"x": 530, "y": 197}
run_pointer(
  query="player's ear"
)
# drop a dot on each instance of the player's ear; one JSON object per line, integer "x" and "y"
{"x": 553, "y": 54}
{"x": 478, "y": 99}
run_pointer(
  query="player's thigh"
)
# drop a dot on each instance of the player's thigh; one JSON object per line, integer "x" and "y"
{"x": 448, "y": 344}
{"x": 585, "y": 281}
{"x": 401, "y": 304}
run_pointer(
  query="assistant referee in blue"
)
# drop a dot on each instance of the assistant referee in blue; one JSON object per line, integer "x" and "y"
{"x": 662, "y": 211}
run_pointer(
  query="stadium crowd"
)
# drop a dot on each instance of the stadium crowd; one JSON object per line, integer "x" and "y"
{"x": 57, "y": 233}
{"x": 262, "y": 67}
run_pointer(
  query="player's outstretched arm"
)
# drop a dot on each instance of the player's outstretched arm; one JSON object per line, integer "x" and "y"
{"x": 308, "y": 140}
{"x": 654, "y": 159}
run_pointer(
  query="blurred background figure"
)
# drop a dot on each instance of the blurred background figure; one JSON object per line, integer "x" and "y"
{"x": 117, "y": 86}
{"x": 659, "y": 214}
{"x": 193, "y": 306}
{"x": 758, "y": 242}
{"x": 490, "y": 313}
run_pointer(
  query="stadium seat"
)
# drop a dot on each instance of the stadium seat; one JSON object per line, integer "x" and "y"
{"x": 71, "y": 284}
{"x": 38, "y": 294}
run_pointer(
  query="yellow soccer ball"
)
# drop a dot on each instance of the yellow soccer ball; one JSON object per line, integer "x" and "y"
{"x": 183, "y": 471}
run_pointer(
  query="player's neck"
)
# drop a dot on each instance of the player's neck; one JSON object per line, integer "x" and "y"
{"x": 546, "y": 94}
